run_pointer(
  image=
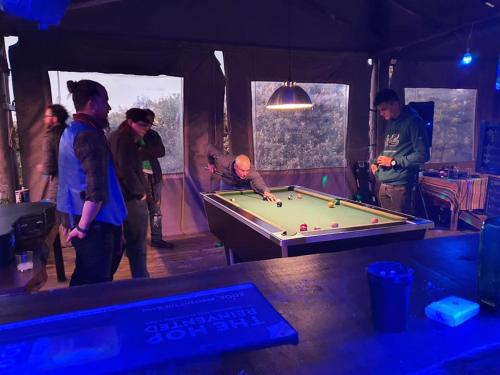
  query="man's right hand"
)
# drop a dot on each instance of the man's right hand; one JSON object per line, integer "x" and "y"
{"x": 75, "y": 233}
{"x": 211, "y": 168}
{"x": 374, "y": 168}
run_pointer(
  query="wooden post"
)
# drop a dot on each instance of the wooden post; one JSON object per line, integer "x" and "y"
{"x": 7, "y": 162}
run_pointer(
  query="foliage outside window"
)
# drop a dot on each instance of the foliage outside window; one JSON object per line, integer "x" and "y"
{"x": 168, "y": 124}
{"x": 300, "y": 139}
{"x": 454, "y": 121}
{"x": 161, "y": 94}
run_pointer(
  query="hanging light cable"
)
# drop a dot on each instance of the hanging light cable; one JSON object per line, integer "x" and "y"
{"x": 467, "y": 57}
{"x": 289, "y": 96}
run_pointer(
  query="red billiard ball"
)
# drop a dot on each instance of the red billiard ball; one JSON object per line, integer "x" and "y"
{"x": 374, "y": 220}
{"x": 335, "y": 225}
{"x": 303, "y": 227}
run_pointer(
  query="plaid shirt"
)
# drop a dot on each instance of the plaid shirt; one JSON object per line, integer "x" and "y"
{"x": 92, "y": 150}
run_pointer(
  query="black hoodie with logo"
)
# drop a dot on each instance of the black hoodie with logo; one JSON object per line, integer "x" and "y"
{"x": 406, "y": 142}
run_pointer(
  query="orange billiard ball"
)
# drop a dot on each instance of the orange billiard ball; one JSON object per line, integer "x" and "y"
{"x": 331, "y": 204}
{"x": 374, "y": 220}
{"x": 299, "y": 196}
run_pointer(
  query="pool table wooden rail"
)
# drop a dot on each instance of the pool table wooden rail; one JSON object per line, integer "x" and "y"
{"x": 247, "y": 236}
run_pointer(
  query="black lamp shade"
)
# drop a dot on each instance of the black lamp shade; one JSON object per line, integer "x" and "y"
{"x": 289, "y": 96}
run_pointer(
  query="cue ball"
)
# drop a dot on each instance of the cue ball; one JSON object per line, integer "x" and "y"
{"x": 335, "y": 225}
{"x": 299, "y": 196}
{"x": 279, "y": 203}
{"x": 374, "y": 220}
{"x": 330, "y": 204}
{"x": 290, "y": 197}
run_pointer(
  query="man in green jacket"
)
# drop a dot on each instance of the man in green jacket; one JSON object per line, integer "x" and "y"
{"x": 405, "y": 148}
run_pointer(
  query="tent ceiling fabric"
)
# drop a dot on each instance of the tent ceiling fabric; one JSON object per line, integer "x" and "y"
{"x": 365, "y": 26}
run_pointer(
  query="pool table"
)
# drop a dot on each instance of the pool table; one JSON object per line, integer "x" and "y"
{"x": 254, "y": 229}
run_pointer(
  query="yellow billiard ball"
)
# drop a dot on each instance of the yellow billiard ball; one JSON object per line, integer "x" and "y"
{"x": 331, "y": 204}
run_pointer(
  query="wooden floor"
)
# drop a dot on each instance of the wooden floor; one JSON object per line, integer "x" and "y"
{"x": 191, "y": 253}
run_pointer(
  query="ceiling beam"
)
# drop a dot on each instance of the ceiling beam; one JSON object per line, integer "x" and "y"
{"x": 337, "y": 21}
{"x": 89, "y": 4}
{"x": 439, "y": 35}
{"x": 411, "y": 11}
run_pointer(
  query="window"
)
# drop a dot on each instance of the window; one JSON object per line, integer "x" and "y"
{"x": 454, "y": 121}
{"x": 301, "y": 139}
{"x": 161, "y": 94}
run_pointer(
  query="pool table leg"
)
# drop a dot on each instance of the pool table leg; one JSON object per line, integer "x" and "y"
{"x": 229, "y": 255}
{"x": 284, "y": 251}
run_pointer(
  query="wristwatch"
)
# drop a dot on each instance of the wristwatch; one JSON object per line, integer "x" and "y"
{"x": 393, "y": 163}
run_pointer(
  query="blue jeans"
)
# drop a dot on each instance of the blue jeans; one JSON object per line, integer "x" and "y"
{"x": 154, "y": 207}
{"x": 135, "y": 230}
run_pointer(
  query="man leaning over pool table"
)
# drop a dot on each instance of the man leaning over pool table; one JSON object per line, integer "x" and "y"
{"x": 237, "y": 173}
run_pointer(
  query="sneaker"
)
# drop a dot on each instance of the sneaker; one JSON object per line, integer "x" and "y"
{"x": 161, "y": 243}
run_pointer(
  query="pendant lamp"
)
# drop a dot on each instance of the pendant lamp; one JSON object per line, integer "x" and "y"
{"x": 289, "y": 96}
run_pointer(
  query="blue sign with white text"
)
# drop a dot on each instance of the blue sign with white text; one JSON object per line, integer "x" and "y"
{"x": 133, "y": 335}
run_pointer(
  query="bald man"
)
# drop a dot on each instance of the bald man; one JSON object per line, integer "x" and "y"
{"x": 237, "y": 173}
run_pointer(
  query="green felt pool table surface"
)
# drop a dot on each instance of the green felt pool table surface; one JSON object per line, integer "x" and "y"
{"x": 312, "y": 209}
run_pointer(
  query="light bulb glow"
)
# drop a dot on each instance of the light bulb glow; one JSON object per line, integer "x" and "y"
{"x": 466, "y": 58}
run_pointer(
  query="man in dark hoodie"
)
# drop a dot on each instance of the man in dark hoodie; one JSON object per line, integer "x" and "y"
{"x": 54, "y": 119}
{"x": 405, "y": 148}
{"x": 134, "y": 186}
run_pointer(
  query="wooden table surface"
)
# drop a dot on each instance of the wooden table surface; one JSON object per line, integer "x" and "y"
{"x": 325, "y": 298}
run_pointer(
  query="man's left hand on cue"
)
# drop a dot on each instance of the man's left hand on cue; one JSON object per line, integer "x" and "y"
{"x": 269, "y": 196}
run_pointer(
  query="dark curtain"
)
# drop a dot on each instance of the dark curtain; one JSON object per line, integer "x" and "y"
{"x": 203, "y": 105}
{"x": 449, "y": 74}
{"x": 250, "y": 64}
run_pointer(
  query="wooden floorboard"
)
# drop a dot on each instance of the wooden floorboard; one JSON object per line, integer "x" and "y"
{"x": 191, "y": 253}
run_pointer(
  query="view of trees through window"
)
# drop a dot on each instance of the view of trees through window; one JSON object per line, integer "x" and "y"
{"x": 161, "y": 94}
{"x": 168, "y": 123}
{"x": 300, "y": 139}
{"x": 454, "y": 121}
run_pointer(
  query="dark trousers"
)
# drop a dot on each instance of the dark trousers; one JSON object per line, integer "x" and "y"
{"x": 135, "y": 230}
{"x": 154, "y": 208}
{"x": 97, "y": 254}
{"x": 396, "y": 197}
